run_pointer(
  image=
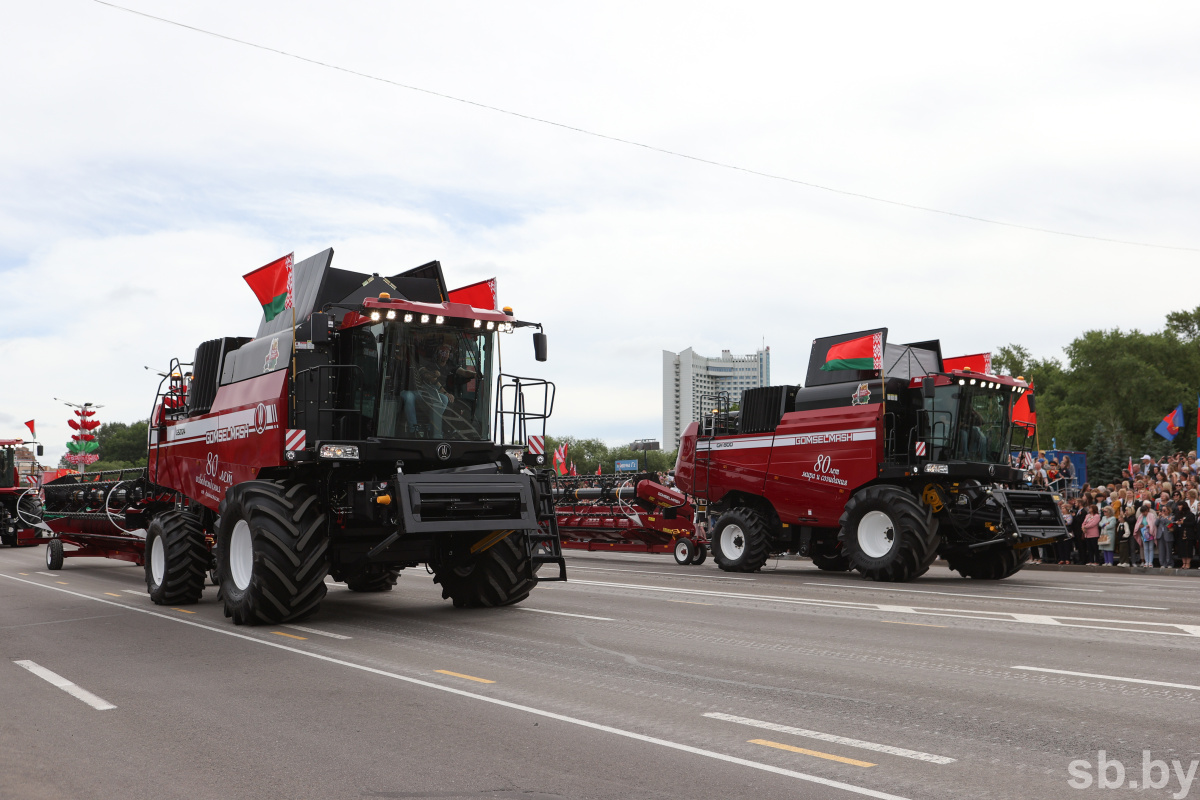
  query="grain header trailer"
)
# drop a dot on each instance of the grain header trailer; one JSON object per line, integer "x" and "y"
{"x": 882, "y": 462}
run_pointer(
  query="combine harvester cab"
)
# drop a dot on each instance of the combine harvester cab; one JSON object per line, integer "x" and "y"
{"x": 352, "y": 439}
{"x": 20, "y": 503}
{"x": 881, "y": 463}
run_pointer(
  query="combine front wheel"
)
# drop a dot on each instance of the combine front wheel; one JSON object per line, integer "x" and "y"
{"x": 176, "y": 557}
{"x": 886, "y": 535}
{"x": 272, "y": 552}
{"x": 499, "y": 576}
{"x": 740, "y": 542}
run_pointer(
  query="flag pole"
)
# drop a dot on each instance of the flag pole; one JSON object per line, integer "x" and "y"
{"x": 292, "y": 302}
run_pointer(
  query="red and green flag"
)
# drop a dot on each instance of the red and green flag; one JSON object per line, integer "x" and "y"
{"x": 272, "y": 285}
{"x": 864, "y": 353}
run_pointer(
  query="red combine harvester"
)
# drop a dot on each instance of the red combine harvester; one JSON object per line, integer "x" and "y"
{"x": 627, "y": 515}
{"x": 881, "y": 463}
{"x": 20, "y": 505}
{"x": 355, "y": 444}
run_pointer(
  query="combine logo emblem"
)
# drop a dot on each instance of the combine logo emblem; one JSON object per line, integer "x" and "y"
{"x": 272, "y": 359}
{"x": 260, "y": 418}
{"x": 443, "y": 451}
{"x": 861, "y": 396}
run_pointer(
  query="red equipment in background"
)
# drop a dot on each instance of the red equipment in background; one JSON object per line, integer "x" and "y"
{"x": 627, "y": 515}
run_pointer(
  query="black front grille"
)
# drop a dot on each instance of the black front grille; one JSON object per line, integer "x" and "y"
{"x": 452, "y": 507}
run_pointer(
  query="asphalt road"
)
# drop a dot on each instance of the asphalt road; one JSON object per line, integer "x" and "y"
{"x": 636, "y": 679}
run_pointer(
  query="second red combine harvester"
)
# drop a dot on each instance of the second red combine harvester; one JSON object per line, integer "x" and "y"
{"x": 881, "y": 463}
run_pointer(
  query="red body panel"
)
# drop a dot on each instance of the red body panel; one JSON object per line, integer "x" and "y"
{"x": 819, "y": 458}
{"x": 243, "y": 434}
{"x": 808, "y": 468}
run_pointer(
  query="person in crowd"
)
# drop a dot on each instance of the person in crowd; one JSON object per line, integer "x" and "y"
{"x": 1052, "y": 474}
{"x": 1062, "y": 547}
{"x": 1091, "y": 533}
{"x": 1125, "y": 535}
{"x": 1184, "y": 525}
{"x": 1146, "y": 532}
{"x": 1066, "y": 471}
{"x": 1108, "y": 535}
{"x": 1166, "y": 535}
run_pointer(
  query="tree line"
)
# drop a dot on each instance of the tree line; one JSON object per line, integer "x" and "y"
{"x": 590, "y": 453}
{"x": 1112, "y": 391}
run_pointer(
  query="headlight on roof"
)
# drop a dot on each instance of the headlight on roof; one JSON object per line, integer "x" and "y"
{"x": 339, "y": 451}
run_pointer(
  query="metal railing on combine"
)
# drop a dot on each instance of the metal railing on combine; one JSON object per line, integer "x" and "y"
{"x": 522, "y": 403}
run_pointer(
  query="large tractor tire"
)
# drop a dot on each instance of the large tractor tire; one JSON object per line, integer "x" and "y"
{"x": 993, "y": 564}
{"x": 499, "y": 576}
{"x": 272, "y": 551}
{"x": 373, "y": 579}
{"x": 887, "y": 535}
{"x": 741, "y": 541}
{"x": 176, "y": 559}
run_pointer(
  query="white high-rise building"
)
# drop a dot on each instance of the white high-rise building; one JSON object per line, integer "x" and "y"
{"x": 688, "y": 377}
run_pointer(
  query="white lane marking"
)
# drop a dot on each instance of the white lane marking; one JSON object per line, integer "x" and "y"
{"x": 686, "y": 748}
{"x": 51, "y": 574}
{"x": 1046, "y": 586}
{"x": 54, "y": 679}
{"x": 1185, "y": 629}
{"x": 829, "y": 737}
{"x": 673, "y": 574}
{"x": 986, "y": 596}
{"x": 133, "y": 591}
{"x": 563, "y": 613}
{"x": 1109, "y": 677}
{"x": 317, "y": 632}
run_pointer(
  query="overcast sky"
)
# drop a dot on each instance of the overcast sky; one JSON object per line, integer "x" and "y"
{"x": 146, "y": 167}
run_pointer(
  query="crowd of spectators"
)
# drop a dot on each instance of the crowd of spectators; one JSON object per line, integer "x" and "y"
{"x": 1148, "y": 518}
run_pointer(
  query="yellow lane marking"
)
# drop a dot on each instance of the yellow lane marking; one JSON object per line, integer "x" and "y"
{"x": 110, "y": 594}
{"x": 690, "y": 602}
{"x": 184, "y": 610}
{"x": 22, "y": 573}
{"x": 290, "y": 636}
{"x": 460, "y": 675}
{"x": 922, "y": 624}
{"x": 64, "y": 583}
{"x": 816, "y": 753}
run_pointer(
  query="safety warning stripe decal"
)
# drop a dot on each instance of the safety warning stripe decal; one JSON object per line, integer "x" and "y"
{"x": 294, "y": 439}
{"x": 537, "y": 445}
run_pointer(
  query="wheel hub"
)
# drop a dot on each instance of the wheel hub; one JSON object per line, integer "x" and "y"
{"x": 876, "y": 534}
{"x": 733, "y": 542}
{"x": 158, "y": 561}
{"x": 241, "y": 555}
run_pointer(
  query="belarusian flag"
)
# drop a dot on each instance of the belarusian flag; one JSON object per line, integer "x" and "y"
{"x": 272, "y": 286}
{"x": 560, "y": 458}
{"x": 862, "y": 353}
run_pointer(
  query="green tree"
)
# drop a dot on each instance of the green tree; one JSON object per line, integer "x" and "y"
{"x": 122, "y": 445}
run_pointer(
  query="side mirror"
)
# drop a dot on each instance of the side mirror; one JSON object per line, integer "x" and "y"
{"x": 1033, "y": 403}
{"x": 41, "y": 451}
{"x": 927, "y": 386}
{"x": 539, "y": 346}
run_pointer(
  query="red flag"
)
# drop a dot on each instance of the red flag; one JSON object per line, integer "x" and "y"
{"x": 272, "y": 285}
{"x": 1021, "y": 412}
{"x": 597, "y": 469}
{"x": 32, "y": 432}
{"x": 560, "y": 459}
{"x": 477, "y": 295}
{"x": 980, "y": 362}
{"x": 863, "y": 353}
{"x": 573, "y": 472}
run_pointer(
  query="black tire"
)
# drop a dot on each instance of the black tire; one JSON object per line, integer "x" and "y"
{"x": 54, "y": 554}
{"x": 993, "y": 564}
{"x": 29, "y": 507}
{"x": 887, "y": 535}
{"x": 835, "y": 561}
{"x": 499, "y": 576}
{"x": 701, "y": 555}
{"x": 684, "y": 551}
{"x": 176, "y": 558}
{"x": 741, "y": 541}
{"x": 373, "y": 579}
{"x": 277, "y": 573}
